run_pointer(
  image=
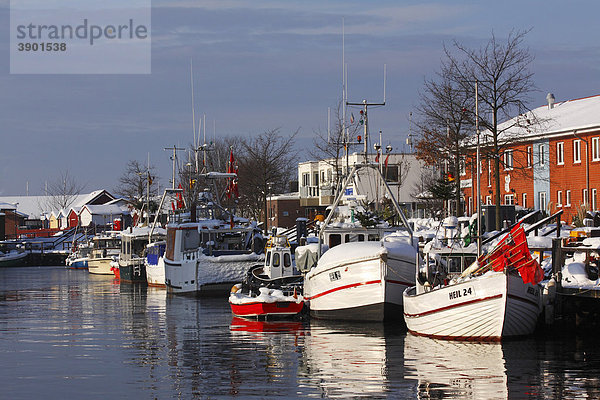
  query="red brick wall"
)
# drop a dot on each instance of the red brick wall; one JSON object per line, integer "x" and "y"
{"x": 569, "y": 176}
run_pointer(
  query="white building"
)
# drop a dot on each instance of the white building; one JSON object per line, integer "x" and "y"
{"x": 317, "y": 179}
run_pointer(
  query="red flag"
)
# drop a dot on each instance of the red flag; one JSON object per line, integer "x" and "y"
{"x": 377, "y": 157}
{"x": 386, "y": 159}
{"x": 180, "y": 197}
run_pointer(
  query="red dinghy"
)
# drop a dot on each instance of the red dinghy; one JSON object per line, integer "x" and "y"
{"x": 253, "y": 307}
{"x": 272, "y": 289}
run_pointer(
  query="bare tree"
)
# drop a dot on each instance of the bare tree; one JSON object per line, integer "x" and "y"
{"x": 266, "y": 165}
{"x": 62, "y": 192}
{"x": 445, "y": 112}
{"x": 133, "y": 184}
{"x": 504, "y": 83}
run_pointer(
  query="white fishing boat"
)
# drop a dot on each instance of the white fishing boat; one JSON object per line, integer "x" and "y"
{"x": 196, "y": 261}
{"x": 362, "y": 280}
{"x": 495, "y": 298}
{"x": 106, "y": 248}
{"x": 363, "y": 274}
{"x": 11, "y": 255}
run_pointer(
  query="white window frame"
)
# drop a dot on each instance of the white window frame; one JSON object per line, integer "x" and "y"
{"x": 596, "y": 149}
{"x": 529, "y": 156}
{"x": 508, "y": 160}
{"x": 560, "y": 153}
{"x": 568, "y": 198}
{"x": 559, "y": 198}
{"x": 593, "y": 201}
{"x": 462, "y": 166}
{"x": 488, "y": 200}
{"x": 584, "y": 194}
{"x": 542, "y": 155}
{"x": 470, "y": 202}
{"x": 524, "y": 199}
{"x": 576, "y": 151}
{"x": 509, "y": 199}
{"x": 489, "y": 172}
{"x": 544, "y": 202}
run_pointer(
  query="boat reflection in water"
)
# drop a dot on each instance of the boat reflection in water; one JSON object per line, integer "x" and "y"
{"x": 453, "y": 369}
{"x": 349, "y": 360}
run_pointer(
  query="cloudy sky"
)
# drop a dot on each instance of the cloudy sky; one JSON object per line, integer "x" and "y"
{"x": 260, "y": 65}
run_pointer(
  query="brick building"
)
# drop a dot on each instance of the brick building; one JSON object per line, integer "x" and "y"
{"x": 554, "y": 165}
{"x": 284, "y": 209}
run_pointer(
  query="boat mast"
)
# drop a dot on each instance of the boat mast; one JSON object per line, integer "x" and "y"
{"x": 478, "y": 171}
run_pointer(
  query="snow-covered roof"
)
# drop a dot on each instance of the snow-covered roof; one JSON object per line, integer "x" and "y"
{"x": 285, "y": 196}
{"x": 565, "y": 117}
{"x": 104, "y": 209}
{"x": 7, "y": 206}
{"x": 35, "y": 206}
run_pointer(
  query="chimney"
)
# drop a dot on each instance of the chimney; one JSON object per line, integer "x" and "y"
{"x": 550, "y": 98}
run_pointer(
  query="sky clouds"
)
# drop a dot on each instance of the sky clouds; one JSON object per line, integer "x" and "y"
{"x": 265, "y": 64}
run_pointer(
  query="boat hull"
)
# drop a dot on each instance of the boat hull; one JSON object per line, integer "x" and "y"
{"x": 261, "y": 309}
{"x": 132, "y": 273}
{"x": 155, "y": 273}
{"x": 13, "y": 260}
{"x": 100, "y": 266}
{"x": 204, "y": 276}
{"x": 81, "y": 263}
{"x": 365, "y": 290}
{"x": 486, "y": 308}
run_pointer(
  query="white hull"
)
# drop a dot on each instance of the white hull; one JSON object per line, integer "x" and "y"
{"x": 100, "y": 266}
{"x": 489, "y": 307}
{"x": 368, "y": 289}
{"x": 204, "y": 275}
{"x": 155, "y": 274}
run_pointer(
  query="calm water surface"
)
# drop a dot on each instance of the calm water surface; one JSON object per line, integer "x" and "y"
{"x": 66, "y": 332}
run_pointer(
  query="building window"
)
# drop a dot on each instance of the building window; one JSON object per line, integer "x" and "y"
{"x": 488, "y": 200}
{"x": 542, "y": 196}
{"x": 596, "y": 149}
{"x": 559, "y": 198}
{"x": 462, "y": 166}
{"x": 470, "y": 210}
{"x": 576, "y": 151}
{"x": 509, "y": 199}
{"x": 524, "y": 200}
{"x": 584, "y": 194}
{"x": 528, "y": 156}
{"x": 285, "y": 213}
{"x": 316, "y": 179}
{"x": 593, "y": 200}
{"x": 489, "y": 173}
{"x": 542, "y": 155}
{"x": 568, "y": 198}
{"x": 508, "y": 160}
{"x": 323, "y": 176}
{"x": 560, "y": 153}
{"x": 305, "y": 179}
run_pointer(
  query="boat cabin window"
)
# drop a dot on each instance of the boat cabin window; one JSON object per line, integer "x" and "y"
{"x": 287, "y": 260}
{"x": 373, "y": 237}
{"x": 334, "y": 240}
{"x": 191, "y": 239}
{"x": 361, "y": 238}
{"x": 453, "y": 265}
{"x": 268, "y": 261}
{"x": 276, "y": 260}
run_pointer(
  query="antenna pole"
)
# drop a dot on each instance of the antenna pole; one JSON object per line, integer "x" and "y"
{"x": 174, "y": 158}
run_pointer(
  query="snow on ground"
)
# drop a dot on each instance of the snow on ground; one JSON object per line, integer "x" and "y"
{"x": 266, "y": 296}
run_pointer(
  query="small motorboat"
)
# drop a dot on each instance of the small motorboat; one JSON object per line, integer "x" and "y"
{"x": 272, "y": 289}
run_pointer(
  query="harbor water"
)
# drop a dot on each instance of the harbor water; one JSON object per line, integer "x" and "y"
{"x": 69, "y": 333}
